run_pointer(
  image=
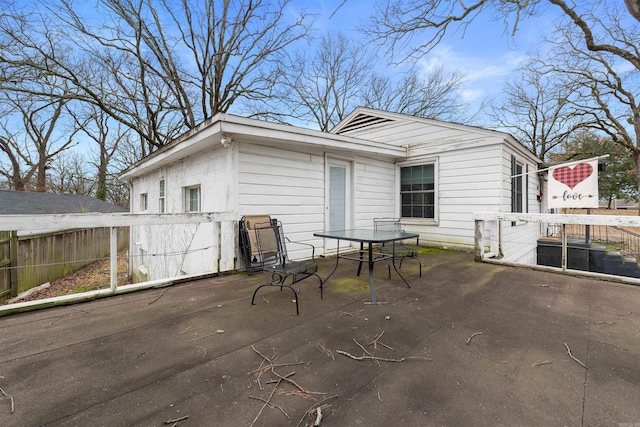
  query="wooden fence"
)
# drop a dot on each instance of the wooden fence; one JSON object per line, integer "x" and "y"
{"x": 31, "y": 260}
{"x": 6, "y": 289}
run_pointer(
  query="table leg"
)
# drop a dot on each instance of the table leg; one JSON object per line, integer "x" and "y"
{"x": 393, "y": 262}
{"x": 337, "y": 259}
{"x": 371, "y": 285}
{"x": 360, "y": 263}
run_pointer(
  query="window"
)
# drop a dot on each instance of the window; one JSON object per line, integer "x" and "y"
{"x": 143, "y": 202}
{"x": 192, "y": 199}
{"x": 161, "y": 200}
{"x": 519, "y": 183}
{"x": 417, "y": 191}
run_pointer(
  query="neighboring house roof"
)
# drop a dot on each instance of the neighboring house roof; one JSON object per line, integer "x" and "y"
{"x": 22, "y": 202}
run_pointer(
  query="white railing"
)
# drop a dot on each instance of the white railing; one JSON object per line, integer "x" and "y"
{"x": 488, "y": 233}
{"x": 225, "y": 240}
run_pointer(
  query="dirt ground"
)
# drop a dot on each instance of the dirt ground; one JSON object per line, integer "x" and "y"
{"x": 94, "y": 276}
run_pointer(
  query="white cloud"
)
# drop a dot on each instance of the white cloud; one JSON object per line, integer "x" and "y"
{"x": 484, "y": 75}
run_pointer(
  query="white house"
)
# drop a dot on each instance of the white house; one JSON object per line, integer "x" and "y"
{"x": 432, "y": 174}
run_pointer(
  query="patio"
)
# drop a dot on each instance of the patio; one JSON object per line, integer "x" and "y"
{"x": 473, "y": 344}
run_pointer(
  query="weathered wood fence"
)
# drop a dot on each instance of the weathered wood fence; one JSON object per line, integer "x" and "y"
{"x": 31, "y": 260}
{"x": 6, "y": 281}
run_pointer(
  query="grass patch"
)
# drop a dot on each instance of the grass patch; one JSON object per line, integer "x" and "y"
{"x": 349, "y": 285}
{"x": 431, "y": 250}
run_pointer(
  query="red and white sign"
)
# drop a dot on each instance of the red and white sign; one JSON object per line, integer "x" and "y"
{"x": 573, "y": 185}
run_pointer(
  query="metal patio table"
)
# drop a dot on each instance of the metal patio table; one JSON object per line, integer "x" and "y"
{"x": 370, "y": 237}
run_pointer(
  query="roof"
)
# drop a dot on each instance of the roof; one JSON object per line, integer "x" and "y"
{"x": 222, "y": 130}
{"x": 22, "y": 202}
{"x": 353, "y": 134}
{"x": 362, "y": 118}
{"x": 413, "y": 131}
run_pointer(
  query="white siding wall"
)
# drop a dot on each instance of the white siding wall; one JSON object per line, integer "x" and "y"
{"x": 519, "y": 241}
{"x": 169, "y": 251}
{"x": 375, "y": 191}
{"x": 467, "y": 181}
{"x": 290, "y": 185}
{"x": 473, "y": 170}
{"x": 287, "y": 185}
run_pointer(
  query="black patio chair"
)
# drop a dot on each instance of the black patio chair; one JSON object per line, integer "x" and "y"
{"x": 401, "y": 250}
{"x": 271, "y": 255}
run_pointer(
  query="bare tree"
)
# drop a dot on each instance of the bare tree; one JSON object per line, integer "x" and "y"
{"x": 318, "y": 87}
{"x": 157, "y": 67}
{"x": 595, "y": 52}
{"x": 435, "y": 95}
{"x": 398, "y": 23}
{"x": 69, "y": 174}
{"x": 323, "y": 86}
{"x": 605, "y": 88}
{"x": 536, "y": 111}
{"x": 31, "y": 148}
{"x": 633, "y": 6}
{"x": 106, "y": 134}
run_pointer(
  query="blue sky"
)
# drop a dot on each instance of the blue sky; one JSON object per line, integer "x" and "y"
{"x": 486, "y": 53}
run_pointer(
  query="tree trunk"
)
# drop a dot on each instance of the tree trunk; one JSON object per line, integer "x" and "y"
{"x": 636, "y": 160}
{"x": 633, "y": 6}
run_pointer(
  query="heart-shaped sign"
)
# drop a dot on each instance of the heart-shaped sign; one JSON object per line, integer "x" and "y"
{"x": 573, "y": 176}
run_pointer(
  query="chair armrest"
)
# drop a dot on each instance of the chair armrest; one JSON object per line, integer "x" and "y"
{"x": 313, "y": 248}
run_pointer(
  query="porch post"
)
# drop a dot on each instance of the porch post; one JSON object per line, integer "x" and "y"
{"x": 478, "y": 241}
{"x": 564, "y": 246}
{"x": 114, "y": 258}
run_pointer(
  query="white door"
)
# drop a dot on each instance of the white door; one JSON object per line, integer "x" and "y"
{"x": 338, "y": 199}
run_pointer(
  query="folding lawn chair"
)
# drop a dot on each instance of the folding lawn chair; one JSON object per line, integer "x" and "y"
{"x": 400, "y": 250}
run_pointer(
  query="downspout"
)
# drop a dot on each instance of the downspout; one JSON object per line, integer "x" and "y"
{"x": 130, "y": 251}
{"x": 500, "y": 200}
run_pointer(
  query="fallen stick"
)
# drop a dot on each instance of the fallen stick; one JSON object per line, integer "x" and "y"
{"x": 318, "y": 417}
{"x": 546, "y": 362}
{"x": 159, "y": 296}
{"x": 377, "y": 341}
{"x": 275, "y": 381}
{"x": 275, "y": 365}
{"x": 266, "y": 403}
{"x": 571, "y": 356}
{"x": 8, "y": 397}
{"x": 382, "y": 359}
{"x": 313, "y": 408}
{"x": 177, "y": 420}
{"x": 366, "y": 352}
{"x": 471, "y": 337}
{"x": 271, "y": 405}
{"x": 327, "y": 352}
{"x": 295, "y": 384}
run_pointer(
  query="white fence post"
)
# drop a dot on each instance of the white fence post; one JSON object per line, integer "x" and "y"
{"x": 114, "y": 258}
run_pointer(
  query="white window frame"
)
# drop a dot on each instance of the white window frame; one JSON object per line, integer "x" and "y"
{"x": 188, "y": 200}
{"x": 162, "y": 199}
{"x": 519, "y": 186}
{"x": 144, "y": 202}
{"x": 436, "y": 203}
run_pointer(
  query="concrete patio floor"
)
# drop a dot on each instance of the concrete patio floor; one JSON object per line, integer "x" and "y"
{"x": 473, "y": 344}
